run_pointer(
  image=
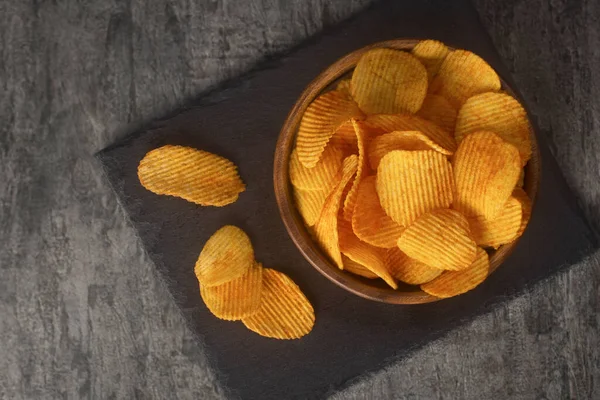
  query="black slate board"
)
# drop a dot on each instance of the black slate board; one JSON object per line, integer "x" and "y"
{"x": 241, "y": 121}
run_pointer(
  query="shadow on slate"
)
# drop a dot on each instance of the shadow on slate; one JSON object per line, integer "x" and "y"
{"x": 352, "y": 335}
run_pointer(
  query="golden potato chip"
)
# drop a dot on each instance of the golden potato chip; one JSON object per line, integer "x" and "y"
{"x": 194, "y": 175}
{"x": 326, "y": 228}
{"x": 525, "y": 201}
{"x": 389, "y": 81}
{"x": 412, "y": 183}
{"x": 406, "y": 122}
{"x": 319, "y": 177}
{"x": 357, "y": 269}
{"x": 486, "y": 170}
{"x": 345, "y": 139}
{"x": 464, "y": 74}
{"x": 407, "y": 270}
{"x": 439, "y": 111}
{"x": 453, "y": 283}
{"x": 344, "y": 86}
{"x": 502, "y": 229}
{"x": 370, "y": 257}
{"x": 431, "y": 53}
{"x": 227, "y": 255}
{"x": 235, "y": 299}
{"x": 440, "y": 239}
{"x": 350, "y": 199}
{"x": 284, "y": 312}
{"x": 319, "y": 122}
{"x": 369, "y": 222}
{"x": 521, "y": 180}
{"x": 498, "y": 113}
{"x": 310, "y": 203}
{"x": 400, "y": 140}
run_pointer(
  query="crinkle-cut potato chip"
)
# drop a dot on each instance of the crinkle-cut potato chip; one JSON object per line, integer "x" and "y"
{"x": 405, "y": 122}
{"x": 521, "y": 180}
{"x": 227, "y": 255}
{"x": 357, "y": 269}
{"x": 453, "y": 283}
{"x": 370, "y": 223}
{"x": 320, "y": 121}
{"x": 439, "y": 111}
{"x": 345, "y": 139}
{"x": 284, "y": 312}
{"x": 431, "y": 53}
{"x": 440, "y": 239}
{"x": 499, "y": 113}
{"x": 326, "y": 228}
{"x": 310, "y": 203}
{"x": 350, "y": 199}
{"x": 412, "y": 183}
{"x": 319, "y": 177}
{"x": 194, "y": 175}
{"x": 464, "y": 74}
{"x": 408, "y": 270}
{"x": 486, "y": 170}
{"x": 344, "y": 86}
{"x": 525, "y": 201}
{"x": 400, "y": 140}
{"x": 235, "y": 299}
{"x": 389, "y": 81}
{"x": 370, "y": 257}
{"x": 502, "y": 229}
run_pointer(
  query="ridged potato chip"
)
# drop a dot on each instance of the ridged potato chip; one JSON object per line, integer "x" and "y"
{"x": 439, "y": 111}
{"x": 320, "y": 121}
{"x": 345, "y": 139}
{"x": 235, "y": 299}
{"x": 503, "y": 229}
{"x": 400, "y": 140}
{"x": 464, "y": 74}
{"x": 486, "y": 170}
{"x": 357, "y": 269}
{"x": 326, "y": 228}
{"x": 521, "y": 180}
{"x": 498, "y": 113}
{"x": 284, "y": 312}
{"x": 369, "y": 222}
{"x": 440, "y": 239}
{"x": 319, "y": 177}
{"x": 350, "y": 199}
{"x": 227, "y": 255}
{"x": 385, "y": 123}
{"x": 389, "y": 81}
{"x": 194, "y": 175}
{"x": 407, "y": 270}
{"x": 432, "y": 54}
{"x": 310, "y": 203}
{"x": 344, "y": 86}
{"x": 525, "y": 201}
{"x": 412, "y": 183}
{"x": 453, "y": 283}
{"x": 370, "y": 257}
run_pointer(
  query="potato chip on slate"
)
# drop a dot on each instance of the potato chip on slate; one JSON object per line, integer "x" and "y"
{"x": 241, "y": 122}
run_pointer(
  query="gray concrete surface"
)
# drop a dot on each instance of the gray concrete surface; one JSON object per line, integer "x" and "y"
{"x": 81, "y": 312}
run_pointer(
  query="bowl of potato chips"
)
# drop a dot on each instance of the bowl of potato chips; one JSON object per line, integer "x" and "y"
{"x": 406, "y": 171}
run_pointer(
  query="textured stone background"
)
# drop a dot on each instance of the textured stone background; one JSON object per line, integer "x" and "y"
{"x": 81, "y": 312}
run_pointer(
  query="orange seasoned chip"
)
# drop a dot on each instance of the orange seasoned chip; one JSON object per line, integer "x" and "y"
{"x": 357, "y": 269}
{"x": 326, "y": 228}
{"x": 227, "y": 255}
{"x": 431, "y": 53}
{"x": 344, "y": 86}
{"x": 525, "y": 201}
{"x": 521, "y": 180}
{"x": 350, "y": 199}
{"x": 400, "y": 140}
{"x": 310, "y": 203}
{"x": 440, "y": 239}
{"x": 500, "y": 230}
{"x": 499, "y": 113}
{"x": 412, "y": 183}
{"x": 486, "y": 170}
{"x": 284, "y": 312}
{"x": 194, "y": 175}
{"x": 453, "y": 283}
{"x": 464, "y": 74}
{"x": 319, "y": 177}
{"x": 405, "y": 122}
{"x": 407, "y": 270}
{"x": 439, "y": 111}
{"x": 345, "y": 139}
{"x": 320, "y": 121}
{"x": 389, "y": 81}
{"x": 235, "y": 299}
{"x": 369, "y": 222}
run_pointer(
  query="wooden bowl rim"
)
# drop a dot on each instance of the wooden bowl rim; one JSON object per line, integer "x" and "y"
{"x": 293, "y": 221}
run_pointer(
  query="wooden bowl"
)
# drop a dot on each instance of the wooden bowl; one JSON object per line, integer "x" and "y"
{"x": 374, "y": 289}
